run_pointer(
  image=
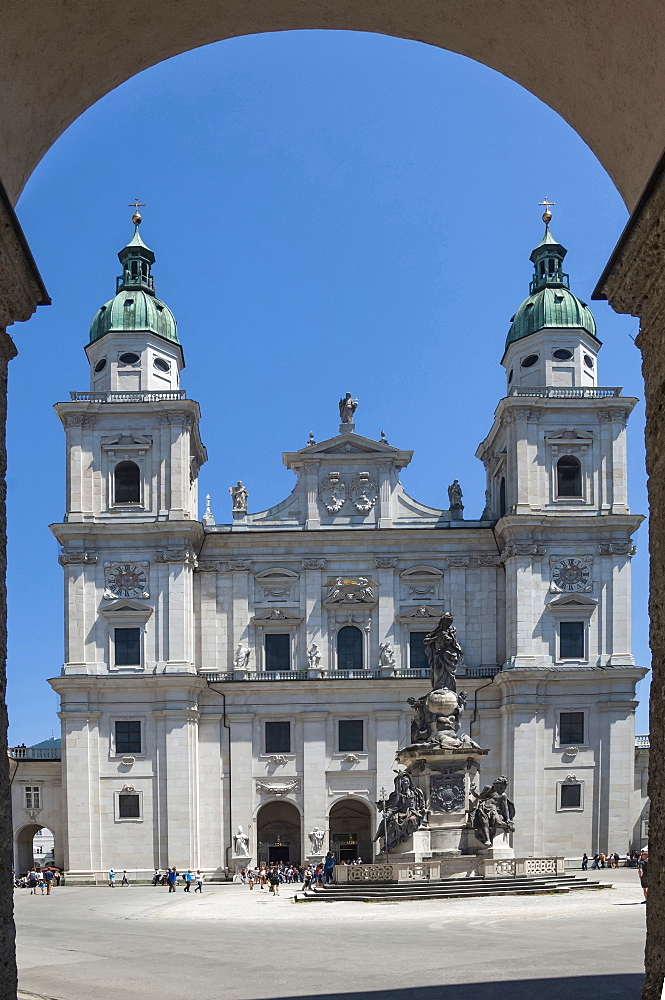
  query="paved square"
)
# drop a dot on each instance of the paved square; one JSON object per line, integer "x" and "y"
{"x": 233, "y": 944}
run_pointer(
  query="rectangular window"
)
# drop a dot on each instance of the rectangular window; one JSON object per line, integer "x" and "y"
{"x": 571, "y": 641}
{"x": 571, "y": 796}
{"x": 277, "y": 646}
{"x": 417, "y": 655}
{"x": 278, "y": 737}
{"x": 128, "y": 737}
{"x": 350, "y": 732}
{"x": 32, "y": 797}
{"x": 129, "y": 806}
{"x": 127, "y": 647}
{"x": 571, "y": 727}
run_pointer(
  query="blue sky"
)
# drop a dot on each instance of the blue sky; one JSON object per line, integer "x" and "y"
{"x": 330, "y": 211}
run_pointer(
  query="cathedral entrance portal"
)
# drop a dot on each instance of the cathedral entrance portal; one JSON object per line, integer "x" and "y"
{"x": 351, "y": 831}
{"x": 278, "y": 834}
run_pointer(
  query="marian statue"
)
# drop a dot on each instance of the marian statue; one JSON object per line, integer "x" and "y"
{"x": 347, "y": 408}
{"x": 444, "y": 654}
{"x": 493, "y": 811}
{"x": 241, "y": 843}
{"x": 239, "y": 497}
{"x": 404, "y": 810}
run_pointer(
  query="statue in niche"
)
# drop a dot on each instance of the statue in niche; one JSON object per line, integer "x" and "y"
{"x": 405, "y": 810}
{"x": 314, "y": 657}
{"x": 386, "y": 655}
{"x": 455, "y": 495}
{"x": 241, "y": 657}
{"x": 239, "y": 497}
{"x": 241, "y": 843}
{"x": 492, "y": 811}
{"x": 316, "y": 838}
{"x": 347, "y": 409}
{"x": 444, "y": 654}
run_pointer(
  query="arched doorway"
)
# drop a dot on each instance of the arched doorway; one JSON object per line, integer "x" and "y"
{"x": 278, "y": 833}
{"x": 350, "y": 823}
{"x": 35, "y": 846}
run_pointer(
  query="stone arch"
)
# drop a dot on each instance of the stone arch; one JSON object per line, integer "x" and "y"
{"x": 616, "y": 113}
{"x": 24, "y": 857}
{"x": 351, "y": 827}
{"x": 278, "y": 832}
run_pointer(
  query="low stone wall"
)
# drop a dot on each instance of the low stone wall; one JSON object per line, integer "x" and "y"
{"x": 444, "y": 868}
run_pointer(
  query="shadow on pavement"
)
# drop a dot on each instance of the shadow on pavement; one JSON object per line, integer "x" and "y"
{"x": 624, "y": 985}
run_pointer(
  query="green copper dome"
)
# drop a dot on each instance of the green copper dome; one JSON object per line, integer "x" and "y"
{"x": 135, "y": 305}
{"x": 551, "y": 302}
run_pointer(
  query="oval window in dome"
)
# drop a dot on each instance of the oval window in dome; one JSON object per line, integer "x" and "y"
{"x": 562, "y": 354}
{"x": 161, "y": 365}
{"x": 129, "y": 358}
{"x": 588, "y": 361}
{"x": 530, "y": 361}
{"x": 101, "y": 365}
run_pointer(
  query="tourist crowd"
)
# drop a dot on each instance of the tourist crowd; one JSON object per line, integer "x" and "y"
{"x": 612, "y": 860}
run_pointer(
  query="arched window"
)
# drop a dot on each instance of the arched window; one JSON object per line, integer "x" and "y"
{"x": 349, "y": 648}
{"x": 127, "y": 483}
{"x": 502, "y": 497}
{"x": 568, "y": 477}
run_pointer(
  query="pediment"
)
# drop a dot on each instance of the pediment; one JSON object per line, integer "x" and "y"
{"x": 275, "y": 574}
{"x": 421, "y": 573}
{"x": 572, "y": 602}
{"x": 350, "y": 445}
{"x": 122, "y": 442}
{"x": 425, "y": 614}
{"x": 121, "y": 608}
{"x": 277, "y": 615}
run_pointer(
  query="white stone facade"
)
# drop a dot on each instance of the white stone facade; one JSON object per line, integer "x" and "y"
{"x": 193, "y": 701}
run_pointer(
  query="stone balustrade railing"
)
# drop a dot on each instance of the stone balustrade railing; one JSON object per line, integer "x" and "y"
{"x": 157, "y": 396}
{"x": 323, "y": 675}
{"x": 461, "y": 867}
{"x": 565, "y": 392}
{"x": 642, "y": 742}
{"x": 34, "y": 753}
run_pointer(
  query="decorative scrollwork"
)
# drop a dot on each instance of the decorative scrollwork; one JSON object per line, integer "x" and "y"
{"x": 371, "y": 873}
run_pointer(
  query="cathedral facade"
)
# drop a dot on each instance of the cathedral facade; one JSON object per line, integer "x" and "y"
{"x": 239, "y": 690}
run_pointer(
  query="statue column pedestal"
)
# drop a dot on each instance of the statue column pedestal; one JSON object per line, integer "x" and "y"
{"x": 239, "y": 861}
{"x": 316, "y": 859}
{"x": 501, "y": 848}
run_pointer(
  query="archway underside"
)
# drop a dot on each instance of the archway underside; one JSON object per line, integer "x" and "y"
{"x": 595, "y": 63}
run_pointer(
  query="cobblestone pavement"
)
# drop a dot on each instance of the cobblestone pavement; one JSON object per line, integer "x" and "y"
{"x": 233, "y": 944}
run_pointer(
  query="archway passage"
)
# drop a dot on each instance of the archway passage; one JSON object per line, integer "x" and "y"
{"x": 278, "y": 834}
{"x": 350, "y": 824}
{"x": 35, "y": 846}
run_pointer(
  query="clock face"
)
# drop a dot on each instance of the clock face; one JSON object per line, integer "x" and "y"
{"x": 571, "y": 574}
{"x": 127, "y": 580}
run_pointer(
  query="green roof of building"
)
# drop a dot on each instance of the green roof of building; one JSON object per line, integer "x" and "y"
{"x": 551, "y": 302}
{"x": 135, "y": 305}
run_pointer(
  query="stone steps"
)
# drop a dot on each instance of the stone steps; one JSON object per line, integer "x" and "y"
{"x": 448, "y": 889}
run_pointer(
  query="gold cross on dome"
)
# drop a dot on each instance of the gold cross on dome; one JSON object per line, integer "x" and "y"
{"x": 547, "y": 205}
{"x": 136, "y": 204}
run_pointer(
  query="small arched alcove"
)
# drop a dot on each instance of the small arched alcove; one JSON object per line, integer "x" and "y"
{"x": 35, "y": 847}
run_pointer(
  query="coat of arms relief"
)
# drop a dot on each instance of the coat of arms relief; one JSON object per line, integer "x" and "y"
{"x": 359, "y": 491}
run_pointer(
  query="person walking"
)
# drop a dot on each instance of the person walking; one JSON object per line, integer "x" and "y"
{"x": 40, "y": 879}
{"x": 111, "y": 879}
{"x": 188, "y": 877}
{"x": 172, "y": 878}
{"x": 274, "y": 881}
{"x": 125, "y": 880}
{"x": 199, "y": 882}
{"x": 585, "y": 861}
{"x": 643, "y": 872}
{"x": 156, "y": 877}
{"x": 48, "y": 880}
{"x": 32, "y": 881}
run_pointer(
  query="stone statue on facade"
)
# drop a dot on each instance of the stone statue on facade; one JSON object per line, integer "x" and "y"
{"x": 316, "y": 838}
{"x": 314, "y": 657}
{"x": 241, "y": 843}
{"x": 239, "y": 497}
{"x": 404, "y": 811}
{"x": 492, "y": 811}
{"x": 386, "y": 655}
{"x": 241, "y": 657}
{"x": 444, "y": 653}
{"x": 455, "y": 495}
{"x": 347, "y": 409}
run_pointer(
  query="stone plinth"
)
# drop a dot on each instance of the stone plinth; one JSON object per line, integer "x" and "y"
{"x": 447, "y": 779}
